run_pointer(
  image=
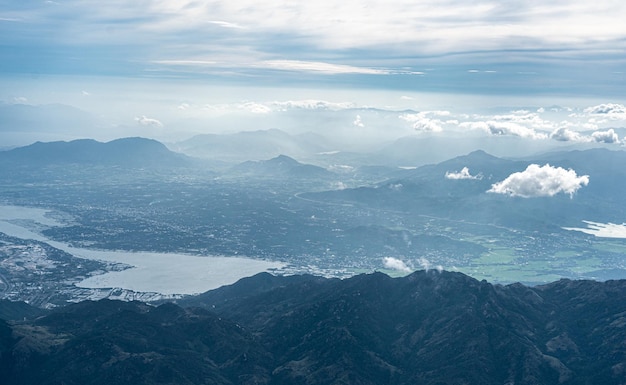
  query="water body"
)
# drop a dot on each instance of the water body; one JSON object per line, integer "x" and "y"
{"x": 164, "y": 273}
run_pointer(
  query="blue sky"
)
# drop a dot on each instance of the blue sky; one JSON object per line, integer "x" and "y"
{"x": 136, "y": 63}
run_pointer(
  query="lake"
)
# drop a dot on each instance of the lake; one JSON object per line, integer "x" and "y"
{"x": 164, "y": 273}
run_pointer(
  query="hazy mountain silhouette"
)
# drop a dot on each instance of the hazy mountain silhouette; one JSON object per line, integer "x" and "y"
{"x": 421, "y": 150}
{"x": 127, "y": 152}
{"x": 427, "y": 190}
{"x": 251, "y": 145}
{"x": 280, "y": 166}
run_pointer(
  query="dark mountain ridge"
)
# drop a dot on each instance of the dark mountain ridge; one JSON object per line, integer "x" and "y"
{"x": 429, "y": 327}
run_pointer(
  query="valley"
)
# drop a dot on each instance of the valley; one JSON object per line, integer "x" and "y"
{"x": 334, "y": 224}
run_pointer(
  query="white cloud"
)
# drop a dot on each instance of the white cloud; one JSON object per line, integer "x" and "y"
{"x": 463, "y": 174}
{"x": 231, "y": 64}
{"x": 260, "y": 107}
{"x": 608, "y": 136}
{"x": 429, "y": 125}
{"x": 226, "y": 24}
{"x": 255, "y": 108}
{"x": 145, "y": 121}
{"x": 498, "y": 128}
{"x": 358, "y": 122}
{"x": 20, "y": 100}
{"x": 540, "y": 181}
{"x": 602, "y": 230}
{"x": 395, "y": 264}
{"x": 186, "y": 62}
{"x": 525, "y": 118}
{"x": 564, "y": 134}
{"x": 607, "y": 109}
{"x": 353, "y": 24}
{"x": 422, "y": 121}
{"x": 312, "y": 104}
{"x": 318, "y": 67}
{"x": 325, "y": 29}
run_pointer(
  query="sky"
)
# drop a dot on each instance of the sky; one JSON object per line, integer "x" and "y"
{"x": 543, "y": 71}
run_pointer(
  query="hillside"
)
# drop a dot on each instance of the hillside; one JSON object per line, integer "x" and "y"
{"x": 429, "y": 327}
{"x": 281, "y": 166}
{"x": 428, "y": 190}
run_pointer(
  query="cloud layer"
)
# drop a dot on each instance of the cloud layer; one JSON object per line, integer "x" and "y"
{"x": 540, "y": 181}
{"x": 483, "y": 46}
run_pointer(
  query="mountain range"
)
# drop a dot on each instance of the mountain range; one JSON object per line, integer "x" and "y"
{"x": 252, "y": 145}
{"x": 429, "y": 327}
{"x": 426, "y": 190}
{"x": 423, "y": 190}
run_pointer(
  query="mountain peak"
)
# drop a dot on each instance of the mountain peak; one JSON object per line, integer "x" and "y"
{"x": 280, "y": 166}
{"x": 283, "y": 160}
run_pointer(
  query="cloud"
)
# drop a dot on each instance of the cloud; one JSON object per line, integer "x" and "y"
{"x": 226, "y": 24}
{"x": 232, "y": 64}
{"x": 255, "y": 108}
{"x": 422, "y": 121}
{"x": 607, "y": 109}
{"x": 564, "y": 134}
{"x": 427, "y": 265}
{"x": 540, "y": 181}
{"x": 355, "y": 37}
{"x": 278, "y": 107}
{"x": 395, "y": 264}
{"x": 498, "y": 128}
{"x": 463, "y": 174}
{"x": 358, "y": 122}
{"x": 20, "y": 100}
{"x": 608, "y": 136}
{"x": 151, "y": 122}
{"x": 604, "y": 113}
{"x": 474, "y": 71}
{"x": 602, "y": 230}
{"x": 312, "y": 104}
{"x": 525, "y": 118}
{"x": 319, "y": 67}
